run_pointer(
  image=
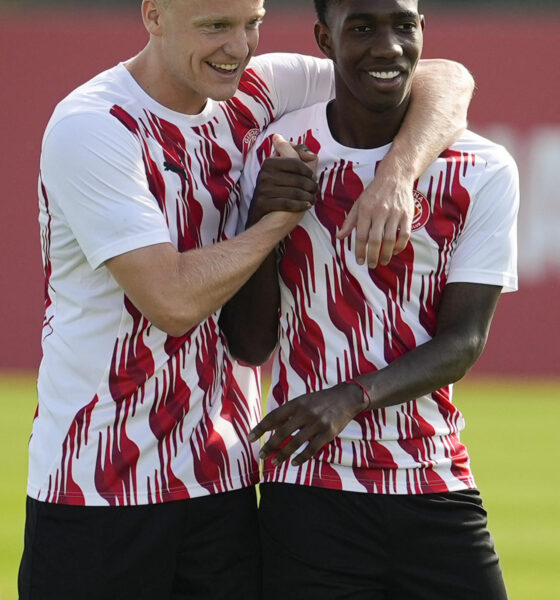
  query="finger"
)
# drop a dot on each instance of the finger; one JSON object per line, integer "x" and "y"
{"x": 285, "y": 205}
{"x": 283, "y": 147}
{"x": 272, "y": 421}
{"x": 403, "y": 234}
{"x": 290, "y": 199}
{"x": 280, "y": 164}
{"x": 364, "y": 229}
{"x": 375, "y": 242}
{"x": 278, "y": 439}
{"x": 305, "y": 153}
{"x": 314, "y": 446}
{"x": 287, "y": 179}
{"x": 288, "y": 449}
{"x": 309, "y": 158}
{"x": 389, "y": 241}
{"x": 349, "y": 223}
{"x": 288, "y": 205}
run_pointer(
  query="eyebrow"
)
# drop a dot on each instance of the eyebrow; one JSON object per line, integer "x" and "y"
{"x": 207, "y": 19}
{"x": 405, "y": 14}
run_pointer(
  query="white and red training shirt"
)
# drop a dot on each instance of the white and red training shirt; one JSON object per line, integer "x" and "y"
{"x": 127, "y": 414}
{"x": 339, "y": 319}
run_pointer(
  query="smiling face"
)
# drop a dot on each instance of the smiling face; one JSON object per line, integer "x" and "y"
{"x": 200, "y": 48}
{"x": 376, "y": 45}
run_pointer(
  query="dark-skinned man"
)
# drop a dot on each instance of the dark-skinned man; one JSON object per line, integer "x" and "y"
{"x": 367, "y": 490}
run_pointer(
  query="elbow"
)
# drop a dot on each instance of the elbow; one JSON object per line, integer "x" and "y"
{"x": 465, "y": 88}
{"x": 461, "y": 77}
{"x": 467, "y": 355}
{"x": 172, "y": 327}
{"x": 467, "y": 79}
{"x": 172, "y": 319}
{"x": 249, "y": 342}
{"x": 252, "y": 354}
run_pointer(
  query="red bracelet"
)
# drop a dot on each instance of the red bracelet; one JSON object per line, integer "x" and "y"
{"x": 366, "y": 394}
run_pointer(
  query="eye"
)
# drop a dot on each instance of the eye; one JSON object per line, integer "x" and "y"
{"x": 216, "y": 26}
{"x": 408, "y": 27}
{"x": 362, "y": 29}
{"x": 255, "y": 23}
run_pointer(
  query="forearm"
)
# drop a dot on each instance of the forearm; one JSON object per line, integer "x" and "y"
{"x": 250, "y": 319}
{"x": 437, "y": 115}
{"x": 185, "y": 288}
{"x": 464, "y": 317}
{"x": 314, "y": 419}
{"x": 429, "y": 367}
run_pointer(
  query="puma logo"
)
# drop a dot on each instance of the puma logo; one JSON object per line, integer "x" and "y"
{"x": 168, "y": 166}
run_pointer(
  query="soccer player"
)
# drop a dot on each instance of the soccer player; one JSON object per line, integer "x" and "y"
{"x": 141, "y": 481}
{"x": 367, "y": 491}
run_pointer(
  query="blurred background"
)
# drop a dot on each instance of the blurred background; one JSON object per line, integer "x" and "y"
{"x": 513, "y": 50}
{"x": 514, "y": 53}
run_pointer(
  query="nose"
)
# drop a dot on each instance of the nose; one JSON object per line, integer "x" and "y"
{"x": 386, "y": 44}
{"x": 237, "y": 44}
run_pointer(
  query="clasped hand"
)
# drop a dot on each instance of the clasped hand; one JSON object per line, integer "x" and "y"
{"x": 382, "y": 215}
{"x": 286, "y": 182}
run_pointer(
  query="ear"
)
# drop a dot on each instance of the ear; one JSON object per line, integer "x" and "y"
{"x": 422, "y": 22}
{"x": 151, "y": 16}
{"x": 323, "y": 39}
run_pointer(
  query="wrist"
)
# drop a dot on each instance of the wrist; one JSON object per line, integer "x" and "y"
{"x": 396, "y": 172}
{"x": 279, "y": 223}
{"x": 255, "y": 214}
{"x": 403, "y": 161}
{"x": 367, "y": 399}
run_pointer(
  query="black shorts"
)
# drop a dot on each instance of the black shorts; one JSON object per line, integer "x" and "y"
{"x": 321, "y": 544}
{"x": 202, "y": 548}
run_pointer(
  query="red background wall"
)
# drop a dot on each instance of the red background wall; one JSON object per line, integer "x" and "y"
{"x": 46, "y": 54}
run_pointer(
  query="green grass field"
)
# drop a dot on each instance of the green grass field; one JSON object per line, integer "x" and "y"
{"x": 512, "y": 434}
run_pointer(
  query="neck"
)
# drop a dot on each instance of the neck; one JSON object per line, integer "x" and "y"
{"x": 356, "y": 126}
{"x": 150, "y": 73}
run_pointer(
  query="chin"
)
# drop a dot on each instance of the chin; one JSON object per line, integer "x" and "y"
{"x": 223, "y": 94}
{"x": 385, "y": 105}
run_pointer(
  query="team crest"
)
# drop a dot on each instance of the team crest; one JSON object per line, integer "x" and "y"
{"x": 250, "y": 139}
{"x": 421, "y": 211}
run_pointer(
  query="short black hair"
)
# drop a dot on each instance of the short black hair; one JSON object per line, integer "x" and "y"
{"x": 321, "y": 8}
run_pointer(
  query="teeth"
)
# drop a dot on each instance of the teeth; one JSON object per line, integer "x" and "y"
{"x": 384, "y": 74}
{"x": 225, "y": 67}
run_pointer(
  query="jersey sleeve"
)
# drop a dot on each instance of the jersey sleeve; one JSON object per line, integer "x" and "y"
{"x": 486, "y": 251}
{"x": 296, "y": 80}
{"x": 94, "y": 175}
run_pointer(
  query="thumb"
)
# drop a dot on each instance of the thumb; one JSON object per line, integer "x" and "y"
{"x": 305, "y": 153}
{"x": 308, "y": 157}
{"x": 283, "y": 147}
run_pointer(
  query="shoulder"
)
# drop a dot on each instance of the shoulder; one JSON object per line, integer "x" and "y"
{"x": 300, "y": 120}
{"x": 484, "y": 153}
{"x": 295, "y": 126}
{"x": 91, "y": 112}
{"x": 474, "y": 161}
{"x": 286, "y": 62}
{"x": 102, "y": 91}
{"x": 281, "y": 71}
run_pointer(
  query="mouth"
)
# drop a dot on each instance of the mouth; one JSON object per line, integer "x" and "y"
{"x": 384, "y": 75}
{"x": 225, "y": 68}
{"x": 387, "y": 80}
